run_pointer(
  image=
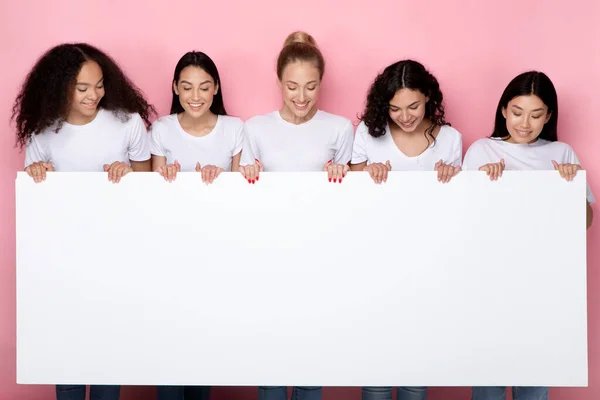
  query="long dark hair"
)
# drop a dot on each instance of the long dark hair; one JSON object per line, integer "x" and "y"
{"x": 45, "y": 96}
{"x": 525, "y": 84}
{"x": 405, "y": 74}
{"x": 200, "y": 60}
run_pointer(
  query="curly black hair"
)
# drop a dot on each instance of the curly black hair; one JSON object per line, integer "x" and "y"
{"x": 405, "y": 74}
{"x": 45, "y": 96}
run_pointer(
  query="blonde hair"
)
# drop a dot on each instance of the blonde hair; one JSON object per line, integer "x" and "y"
{"x": 300, "y": 46}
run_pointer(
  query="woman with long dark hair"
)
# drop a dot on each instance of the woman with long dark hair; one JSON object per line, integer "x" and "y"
{"x": 198, "y": 135}
{"x": 524, "y": 138}
{"x": 404, "y": 126}
{"x": 77, "y": 111}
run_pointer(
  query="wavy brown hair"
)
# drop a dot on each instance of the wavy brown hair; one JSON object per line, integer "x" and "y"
{"x": 406, "y": 74}
{"x": 45, "y": 96}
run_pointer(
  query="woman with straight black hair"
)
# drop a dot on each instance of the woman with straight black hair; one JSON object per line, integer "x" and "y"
{"x": 198, "y": 135}
{"x": 525, "y": 134}
{"x": 524, "y": 138}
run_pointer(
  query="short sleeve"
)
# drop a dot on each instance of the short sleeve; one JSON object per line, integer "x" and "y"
{"x": 359, "y": 148}
{"x": 456, "y": 156}
{"x": 571, "y": 158}
{"x": 34, "y": 152}
{"x": 139, "y": 146}
{"x": 473, "y": 157}
{"x": 238, "y": 144}
{"x": 343, "y": 152}
{"x": 156, "y": 145}
{"x": 249, "y": 148}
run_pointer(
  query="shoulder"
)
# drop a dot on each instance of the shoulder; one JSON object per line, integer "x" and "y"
{"x": 231, "y": 123}
{"x": 51, "y": 129}
{"x": 262, "y": 119}
{"x": 164, "y": 122}
{"x": 556, "y": 146}
{"x": 560, "y": 152}
{"x": 333, "y": 119}
{"x": 362, "y": 129}
{"x": 121, "y": 118}
{"x": 484, "y": 143}
{"x": 449, "y": 136}
{"x": 262, "y": 125}
{"x": 449, "y": 132}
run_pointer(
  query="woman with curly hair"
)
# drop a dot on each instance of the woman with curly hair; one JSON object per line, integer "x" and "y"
{"x": 403, "y": 127}
{"x": 77, "y": 111}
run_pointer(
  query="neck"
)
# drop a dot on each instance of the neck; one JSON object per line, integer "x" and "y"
{"x": 509, "y": 139}
{"x": 292, "y": 118}
{"x": 80, "y": 119}
{"x": 203, "y": 120}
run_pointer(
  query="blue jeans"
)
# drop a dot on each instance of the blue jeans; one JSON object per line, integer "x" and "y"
{"x": 298, "y": 393}
{"x": 97, "y": 392}
{"x": 183, "y": 392}
{"x": 518, "y": 392}
{"x": 385, "y": 393}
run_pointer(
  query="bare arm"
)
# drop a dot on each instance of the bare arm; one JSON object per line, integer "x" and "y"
{"x": 158, "y": 161}
{"x": 235, "y": 162}
{"x": 358, "y": 167}
{"x": 141, "y": 166}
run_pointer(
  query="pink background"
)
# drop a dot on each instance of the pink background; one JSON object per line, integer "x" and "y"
{"x": 473, "y": 47}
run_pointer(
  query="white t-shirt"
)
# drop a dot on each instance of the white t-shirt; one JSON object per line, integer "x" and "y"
{"x": 285, "y": 147}
{"x": 168, "y": 139}
{"x": 86, "y": 148}
{"x": 446, "y": 147}
{"x": 521, "y": 157}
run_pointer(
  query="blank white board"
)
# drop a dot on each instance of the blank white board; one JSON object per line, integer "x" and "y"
{"x": 298, "y": 281}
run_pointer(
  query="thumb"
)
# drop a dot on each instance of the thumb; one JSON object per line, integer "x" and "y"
{"x": 388, "y": 165}
{"x": 178, "y": 166}
{"x": 326, "y": 164}
{"x": 437, "y": 165}
{"x": 48, "y": 166}
{"x": 555, "y": 164}
{"x": 106, "y": 167}
{"x": 260, "y": 165}
{"x": 198, "y": 167}
{"x": 502, "y": 162}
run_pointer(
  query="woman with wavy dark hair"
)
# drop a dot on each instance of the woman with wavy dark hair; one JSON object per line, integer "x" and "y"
{"x": 77, "y": 111}
{"x": 404, "y": 128}
{"x": 198, "y": 135}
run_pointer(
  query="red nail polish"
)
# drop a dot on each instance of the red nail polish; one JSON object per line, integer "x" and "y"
{"x": 249, "y": 181}
{"x": 340, "y": 180}
{"x": 329, "y": 179}
{"x": 253, "y": 181}
{"x": 257, "y": 179}
{"x": 334, "y": 180}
